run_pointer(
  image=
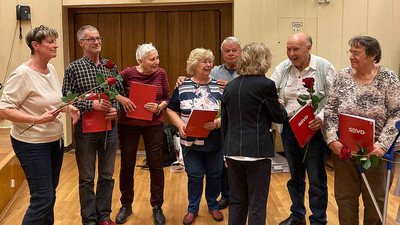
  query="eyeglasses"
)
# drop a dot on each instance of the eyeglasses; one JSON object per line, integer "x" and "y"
{"x": 92, "y": 40}
{"x": 355, "y": 54}
{"x": 204, "y": 62}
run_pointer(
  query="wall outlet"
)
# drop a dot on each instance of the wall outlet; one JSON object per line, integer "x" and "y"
{"x": 12, "y": 183}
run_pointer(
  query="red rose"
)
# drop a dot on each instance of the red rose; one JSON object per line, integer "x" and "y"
{"x": 308, "y": 82}
{"x": 345, "y": 153}
{"x": 111, "y": 80}
{"x": 109, "y": 65}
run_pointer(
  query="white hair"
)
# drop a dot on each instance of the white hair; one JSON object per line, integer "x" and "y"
{"x": 143, "y": 50}
{"x": 231, "y": 40}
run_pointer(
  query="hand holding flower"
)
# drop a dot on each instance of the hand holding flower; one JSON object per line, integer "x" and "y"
{"x": 336, "y": 147}
{"x": 104, "y": 105}
{"x": 378, "y": 151}
{"x": 111, "y": 114}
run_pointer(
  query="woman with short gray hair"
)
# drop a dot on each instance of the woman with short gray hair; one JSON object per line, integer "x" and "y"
{"x": 129, "y": 132}
{"x": 249, "y": 105}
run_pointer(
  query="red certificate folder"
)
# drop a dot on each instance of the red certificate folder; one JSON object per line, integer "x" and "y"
{"x": 95, "y": 121}
{"x": 141, "y": 94}
{"x": 299, "y": 124}
{"x": 197, "y": 119}
{"x": 355, "y": 130}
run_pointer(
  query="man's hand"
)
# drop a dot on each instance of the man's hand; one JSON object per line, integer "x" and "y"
{"x": 104, "y": 105}
{"x": 180, "y": 81}
{"x": 111, "y": 114}
{"x": 126, "y": 103}
{"x": 378, "y": 151}
{"x": 222, "y": 83}
{"x": 336, "y": 146}
{"x": 315, "y": 123}
{"x": 74, "y": 113}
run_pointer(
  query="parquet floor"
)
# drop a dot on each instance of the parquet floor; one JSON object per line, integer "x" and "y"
{"x": 175, "y": 204}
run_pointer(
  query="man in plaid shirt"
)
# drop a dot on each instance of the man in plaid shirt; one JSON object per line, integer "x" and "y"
{"x": 80, "y": 77}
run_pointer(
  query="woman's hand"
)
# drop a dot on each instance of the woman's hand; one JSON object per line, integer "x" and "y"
{"x": 182, "y": 129}
{"x": 336, "y": 146}
{"x": 281, "y": 101}
{"x": 46, "y": 117}
{"x": 315, "y": 123}
{"x": 378, "y": 151}
{"x": 126, "y": 103}
{"x": 179, "y": 81}
{"x": 213, "y": 125}
{"x": 222, "y": 83}
{"x": 74, "y": 113}
{"x": 152, "y": 107}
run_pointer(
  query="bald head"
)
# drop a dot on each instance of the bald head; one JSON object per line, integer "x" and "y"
{"x": 298, "y": 50}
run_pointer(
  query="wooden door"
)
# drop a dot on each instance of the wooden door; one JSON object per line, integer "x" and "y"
{"x": 173, "y": 30}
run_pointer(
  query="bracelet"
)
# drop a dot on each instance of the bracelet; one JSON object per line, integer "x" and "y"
{"x": 159, "y": 110}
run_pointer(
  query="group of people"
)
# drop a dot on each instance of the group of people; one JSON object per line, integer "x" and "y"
{"x": 236, "y": 155}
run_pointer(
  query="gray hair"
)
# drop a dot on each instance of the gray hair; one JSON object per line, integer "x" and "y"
{"x": 38, "y": 34}
{"x": 195, "y": 56}
{"x": 79, "y": 34}
{"x": 143, "y": 50}
{"x": 371, "y": 45}
{"x": 231, "y": 40}
{"x": 255, "y": 59}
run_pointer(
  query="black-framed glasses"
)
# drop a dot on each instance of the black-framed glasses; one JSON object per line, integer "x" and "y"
{"x": 92, "y": 40}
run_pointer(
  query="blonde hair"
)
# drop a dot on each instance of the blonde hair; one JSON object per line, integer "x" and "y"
{"x": 195, "y": 56}
{"x": 255, "y": 59}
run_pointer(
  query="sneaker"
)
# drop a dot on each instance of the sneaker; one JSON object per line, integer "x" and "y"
{"x": 123, "y": 214}
{"x": 158, "y": 216}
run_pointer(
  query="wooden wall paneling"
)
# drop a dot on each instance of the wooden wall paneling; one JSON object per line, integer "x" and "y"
{"x": 226, "y": 28}
{"x": 162, "y": 39}
{"x": 185, "y": 40}
{"x": 81, "y": 20}
{"x": 110, "y": 30}
{"x": 174, "y": 49}
{"x": 198, "y": 29}
{"x": 132, "y": 33}
{"x": 150, "y": 27}
{"x": 212, "y": 34}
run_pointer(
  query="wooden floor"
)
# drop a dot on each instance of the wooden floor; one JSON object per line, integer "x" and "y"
{"x": 175, "y": 204}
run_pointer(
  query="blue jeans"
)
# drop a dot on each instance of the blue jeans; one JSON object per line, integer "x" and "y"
{"x": 95, "y": 206}
{"x": 41, "y": 163}
{"x": 198, "y": 163}
{"x": 314, "y": 164}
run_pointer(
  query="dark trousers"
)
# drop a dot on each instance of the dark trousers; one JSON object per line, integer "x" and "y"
{"x": 128, "y": 143}
{"x": 42, "y": 165}
{"x": 314, "y": 164}
{"x": 95, "y": 206}
{"x": 198, "y": 163}
{"x": 249, "y": 186}
{"x": 349, "y": 185}
{"x": 224, "y": 182}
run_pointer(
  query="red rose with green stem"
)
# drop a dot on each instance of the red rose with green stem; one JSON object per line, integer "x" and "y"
{"x": 315, "y": 100}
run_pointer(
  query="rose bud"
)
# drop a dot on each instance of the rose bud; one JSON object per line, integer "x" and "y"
{"x": 345, "y": 153}
{"x": 109, "y": 65}
{"x": 111, "y": 80}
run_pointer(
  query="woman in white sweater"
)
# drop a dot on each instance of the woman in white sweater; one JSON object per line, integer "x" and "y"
{"x": 30, "y": 97}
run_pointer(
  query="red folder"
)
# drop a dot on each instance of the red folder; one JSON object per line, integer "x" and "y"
{"x": 95, "y": 121}
{"x": 355, "y": 130}
{"x": 299, "y": 124}
{"x": 141, "y": 94}
{"x": 197, "y": 119}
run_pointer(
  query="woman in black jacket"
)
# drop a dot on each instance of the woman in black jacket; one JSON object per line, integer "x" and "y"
{"x": 249, "y": 105}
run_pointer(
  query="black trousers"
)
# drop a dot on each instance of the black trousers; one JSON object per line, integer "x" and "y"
{"x": 249, "y": 186}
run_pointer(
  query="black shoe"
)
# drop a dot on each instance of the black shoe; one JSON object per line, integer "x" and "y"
{"x": 158, "y": 216}
{"x": 223, "y": 203}
{"x": 123, "y": 214}
{"x": 293, "y": 221}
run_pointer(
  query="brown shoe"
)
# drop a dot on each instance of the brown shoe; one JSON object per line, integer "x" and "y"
{"x": 189, "y": 218}
{"x": 216, "y": 214}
